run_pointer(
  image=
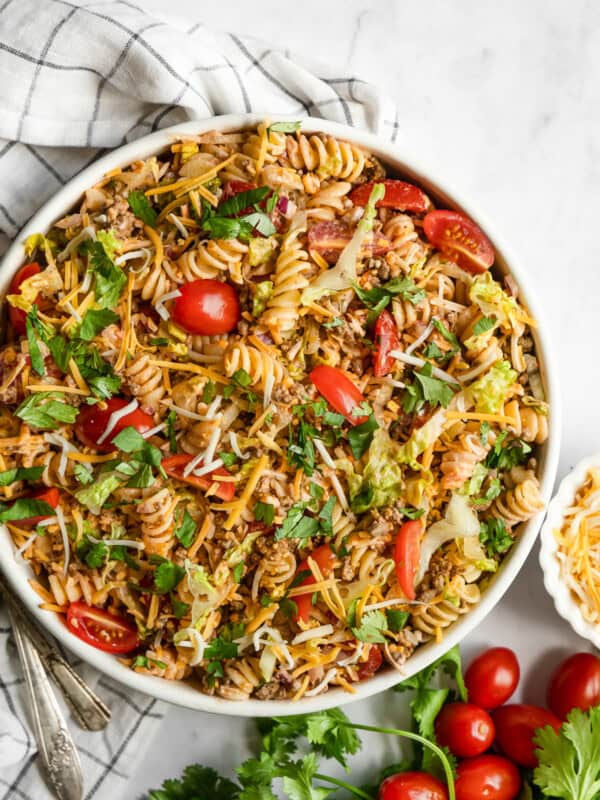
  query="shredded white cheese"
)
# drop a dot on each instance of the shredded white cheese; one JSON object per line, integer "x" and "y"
{"x": 337, "y": 488}
{"x": 178, "y": 224}
{"x": 115, "y": 417}
{"x": 67, "y": 447}
{"x": 419, "y": 362}
{"x": 346, "y": 662}
{"x": 132, "y": 543}
{"x": 159, "y": 305}
{"x": 206, "y": 468}
{"x": 269, "y": 384}
{"x": 68, "y": 306}
{"x": 483, "y": 367}
{"x": 327, "y": 459}
{"x": 324, "y": 683}
{"x": 65, "y": 538}
{"x": 235, "y": 446}
{"x": 313, "y": 633}
{"x": 28, "y": 542}
{"x": 156, "y": 429}
{"x": 87, "y": 233}
{"x": 419, "y": 341}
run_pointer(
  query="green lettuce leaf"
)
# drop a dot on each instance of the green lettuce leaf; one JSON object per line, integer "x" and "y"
{"x": 381, "y": 481}
{"x": 488, "y": 393}
{"x": 96, "y": 494}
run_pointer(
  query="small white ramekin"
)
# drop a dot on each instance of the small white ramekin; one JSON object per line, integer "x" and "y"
{"x": 556, "y": 587}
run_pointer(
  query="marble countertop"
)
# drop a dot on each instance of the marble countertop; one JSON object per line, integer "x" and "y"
{"x": 501, "y": 101}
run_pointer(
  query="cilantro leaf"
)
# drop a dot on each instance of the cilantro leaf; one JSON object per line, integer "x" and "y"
{"x": 256, "y": 776}
{"x": 371, "y": 628}
{"x": 432, "y": 350}
{"x": 20, "y": 474}
{"x": 494, "y": 537}
{"x": 242, "y": 201}
{"x": 361, "y": 436}
{"x": 199, "y": 783}
{"x": 95, "y": 320}
{"x": 326, "y": 517}
{"x": 228, "y": 459}
{"x": 180, "y": 609}
{"x": 264, "y": 512}
{"x": 140, "y": 205}
{"x": 185, "y": 532}
{"x": 94, "y": 554}
{"x": 167, "y": 577}
{"x": 110, "y": 279}
{"x": 297, "y": 525}
{"x": 46, "y": 410}
{"x": 171, "y": 419}
{"x": 379, "y": 297}
{"x": 31, "y": 328}
{"x": 448, "y": 335}
{"x": 298, "y": 780}
{"x": 435, "y": 391}
{"x": 329, "y": 732}
{"x": 25, "y": 508}
{"x": 505, "y": 456}
{"x": 493, "y": 490}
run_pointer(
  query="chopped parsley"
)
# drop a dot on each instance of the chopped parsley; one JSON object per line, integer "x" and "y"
{"x": 494, "y": 537}
{"x": 46, "y": 410}
{"x": 140, "y": 205}
{"x": 371, "y": 628}
{"x": 167, "y": 577}
{"x": 25, "y": 508}
{"x": 505, "y": 455}
{"x": 33, "y": 329}
{"x": 264, "y": 512}
{"x": 95, "y": 321}
{"x": 20, "y": 474}
{"x": 426, "y": 389}
{"x": 185, "y": 532}
{"x": 361, "y": 436}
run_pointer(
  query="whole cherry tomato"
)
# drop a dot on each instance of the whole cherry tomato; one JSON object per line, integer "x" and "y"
{"x": 174, "y": 466}
{"x": 515, "y": 729}
{"x": 407, "y": 552}
{"x": 412, "y": 786}
{"x": 16, "y": 315}
{"x": 104, "y": 631}
{"x": 459, "y": 238}
{"x": 487, "y": 778}
{"x": 465, "y": 729}
{"x": 339, "y": 391}
{"x": 206, "y": 307}
{"x": 325, "y": 559}
{"x": 91, "y": 423}
{"x": 575, "y": 684}
{"x": 492, "y": 677}
{"x": 386, "y": 340}
{"x": 398, "y": 194}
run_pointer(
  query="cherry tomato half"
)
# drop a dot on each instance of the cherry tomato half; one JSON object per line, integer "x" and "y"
{"x": 16, "y": 315}
{"x": 330, "y": 237}
{"x": 50, "y": 496}
{"x": 102, "y": 630}
{"x": 459, "y": 238}
{"x": 398, "y": 194}
{"x": 412, "y": 786}
{"x": 492, "y": 677}
{"x": 174, "y": 466}
{"x": 465, "y": 729}
{"x": 206, "y": 307}
{"x": 407, "y": 552}
{"x": 369, "y": 667}
{"x": 516, "y": 725}
{"x": 91, "y": 423}
{"x": 325, "y": 559}
{"x": 487, "y": 778}
{"x": 575, "y": 684}
{"x": 339, "y": 391}
{"x": 386, "y": 340}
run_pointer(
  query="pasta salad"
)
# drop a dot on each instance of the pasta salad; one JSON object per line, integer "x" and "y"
{"x": 268, "y": 418}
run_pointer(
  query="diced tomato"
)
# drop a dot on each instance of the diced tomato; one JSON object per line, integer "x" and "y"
{"x": 104, "y": 631}
{"x": 407, "y": 552}
{"x": 91, "y": 423}
{"x": 50, "y": 496}
{"x": 330, "y": 238}
{"x": 325, "y": 559}
{"x": 207, "y": 307}
{"x": 459, "y": 238}
{"x": 174, "y": 466}
{"x": 372, "y": 664}
{"x": 386, "y": 340}
{"x": 398, "y": 194}
{"x": 231, "y": 188}
{"x": 16, "y": 315}
{"x": 339, "y": 391}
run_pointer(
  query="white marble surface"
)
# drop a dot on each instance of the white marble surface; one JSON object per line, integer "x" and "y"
{"x": 501, "y": 100}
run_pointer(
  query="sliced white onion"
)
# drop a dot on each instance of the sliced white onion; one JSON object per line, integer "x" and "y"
{"x": 156, "y": 429}
{"x": 323, "y": 452}
{"x": 418, "y": 342}
{"x": 337, "y": 488}
{"x": 324, "y": 683}
{"x": 275, "y": 635}
{"x": 159, "y": 305}
{"x": 269, "y": 384}
{"x": 178, "y": 224}
{"x": 115, "y": 417}
{"x": 87, "y": 233}
{"x": 313, "y": 633}
{"x": 204, "y": 470}
{"x": 414, "y": 361}
{"x": 65, "y": 538}
{"x": 235, "y": 446}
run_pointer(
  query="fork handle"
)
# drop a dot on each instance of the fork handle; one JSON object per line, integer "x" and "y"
{"x": 90, "y": 711}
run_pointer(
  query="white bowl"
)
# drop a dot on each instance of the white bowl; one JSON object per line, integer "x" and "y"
{"x": 398, "y": 159}
{"x": 555, "y": 585}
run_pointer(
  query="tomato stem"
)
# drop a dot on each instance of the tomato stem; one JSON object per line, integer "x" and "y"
{"x": 343, "y": 785}
{"x": 417, "y": 738}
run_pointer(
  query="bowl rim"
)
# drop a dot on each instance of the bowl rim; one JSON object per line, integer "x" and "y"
{"x": 556, "y": 587}
{"x": 181, "y": 693}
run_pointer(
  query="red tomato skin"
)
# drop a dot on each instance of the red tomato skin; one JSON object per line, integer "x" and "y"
{"x": 91, "y": 423}
{"x": 207, "y": 307}
{"x": 386, "y": 340}
{"x": 487, "y": 778}
{"x": 398, "y": 194}
{"x": 330, "y": 237}
{"x": 516, "y": 725}
{"x": 339, "y": 391}
{"x": 465, "y": 729}
{"x": 50, "y": 496}
{"x": 231, "y": 188}
{"x": 174, "y": 466}
{"x": 407, "y": 551}
{"x": 325, "y": 559}
{"x": 459, "y": 238}
{"x": 374, "y": 661}
{"x": 574, "y": 684}
{"x": 88, "y": 623}
{"x": 492, "y": 677}
{"x": 412, "y": 786}
{"x": 16, "y": 315}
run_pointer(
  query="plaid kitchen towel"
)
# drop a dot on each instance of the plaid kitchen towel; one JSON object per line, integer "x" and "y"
{"x": 76, "y": 80}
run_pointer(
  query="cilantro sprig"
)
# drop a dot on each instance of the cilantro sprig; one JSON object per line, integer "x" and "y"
{"x": 426, "y": 389}
{"x": 240, "y": 216}
{"x": 46, "y": 410}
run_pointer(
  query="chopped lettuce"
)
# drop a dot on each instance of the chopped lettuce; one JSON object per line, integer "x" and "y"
{"x": 460, "y": 522}
{"x": 260, "y": 249}
{"x": 48, "y": 281}
{"x": 109, "y": 242}
{"x": 421, "y": 439}
{"x": 473, "y": 485}
{"x": 494, "y": 301}
{"x": 96, "y": 494}
{"x": 206, "y": 595}
{"x": 381, "y": 481}
{"x": 489, "y": 392}
{"x": 343, "y": 275}
{"x": 264, "y": 290}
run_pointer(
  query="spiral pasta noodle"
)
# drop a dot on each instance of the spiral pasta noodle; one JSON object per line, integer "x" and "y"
{"x": 281, "y": 316}
{"x": 326, "y": 156}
